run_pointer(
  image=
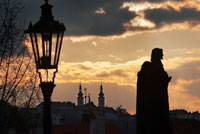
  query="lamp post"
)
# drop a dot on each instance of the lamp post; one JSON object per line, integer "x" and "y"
{"x": 46, "y": 38}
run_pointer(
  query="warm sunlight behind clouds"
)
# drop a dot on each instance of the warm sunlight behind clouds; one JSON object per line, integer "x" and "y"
{"x": 180, "y": 99}
{"x": 125, "y": 74}
{"x": 109, "y": 40}
{"x": 106, "y": 71}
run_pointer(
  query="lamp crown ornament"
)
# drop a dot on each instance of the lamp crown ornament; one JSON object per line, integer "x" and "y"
{"x": 46, "y": 11}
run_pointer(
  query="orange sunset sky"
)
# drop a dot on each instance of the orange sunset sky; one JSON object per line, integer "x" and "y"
{"x": 108, "y": 41}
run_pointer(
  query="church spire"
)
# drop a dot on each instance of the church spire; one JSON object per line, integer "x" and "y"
{"x": 101, "y": 94}
{"x": 101, "y": 97}
{"x": 89, "y": 99}
{"x": 80, "y": 96}
{"x": 85, "y": 90}
{"x": 80, "y": 87}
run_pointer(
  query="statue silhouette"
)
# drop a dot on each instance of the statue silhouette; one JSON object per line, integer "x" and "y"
{"x": 152, "y": 110}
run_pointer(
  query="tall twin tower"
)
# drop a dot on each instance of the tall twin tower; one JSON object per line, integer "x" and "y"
{"x": 101, "y": 98}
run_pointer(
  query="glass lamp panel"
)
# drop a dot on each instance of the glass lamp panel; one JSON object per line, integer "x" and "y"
{"x": 54, "y": 49}
{"x": 57, "y": 48}
{"x": 59, "y": 45}
{"x": 33, "y": 42}
{"x": 38, "y": 47}
{"x": 45, "y": 50}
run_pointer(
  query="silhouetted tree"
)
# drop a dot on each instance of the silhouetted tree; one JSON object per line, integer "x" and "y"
{"x": 18, "y": 80}
{"x": 121, "y": 110}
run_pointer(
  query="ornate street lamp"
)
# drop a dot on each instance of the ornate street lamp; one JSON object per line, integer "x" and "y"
{"x": 46, "y": 38}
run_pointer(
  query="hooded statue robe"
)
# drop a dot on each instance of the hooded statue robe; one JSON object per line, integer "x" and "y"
{"x": 152, "y": 109}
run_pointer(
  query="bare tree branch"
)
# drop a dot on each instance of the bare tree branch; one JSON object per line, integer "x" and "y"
{"x": 15, "y": 61}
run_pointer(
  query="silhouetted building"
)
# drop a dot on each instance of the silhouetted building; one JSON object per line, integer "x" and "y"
{"x": 89, "y": 118}
{"x": 152, "y": 109}
{"x": 101, "y": 99}
{"x": 98, "y": 120}
{"x": 185, "y": 126}
{"x": 83, "y": 128}
{"x": 183, "y": 114}
{"x": 80, "y": 96}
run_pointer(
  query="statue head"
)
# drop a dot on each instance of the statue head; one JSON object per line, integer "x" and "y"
{"x": 156, "y": 54}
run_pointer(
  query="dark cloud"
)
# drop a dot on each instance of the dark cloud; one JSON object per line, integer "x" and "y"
{"x": 80, "y": 17}
{"x": 139, "y": 28}
{"x": 162, "y": 16}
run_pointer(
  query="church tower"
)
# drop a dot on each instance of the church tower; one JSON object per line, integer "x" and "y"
{"x": 101, "y": 97}
{"x": 80, "y": 96}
